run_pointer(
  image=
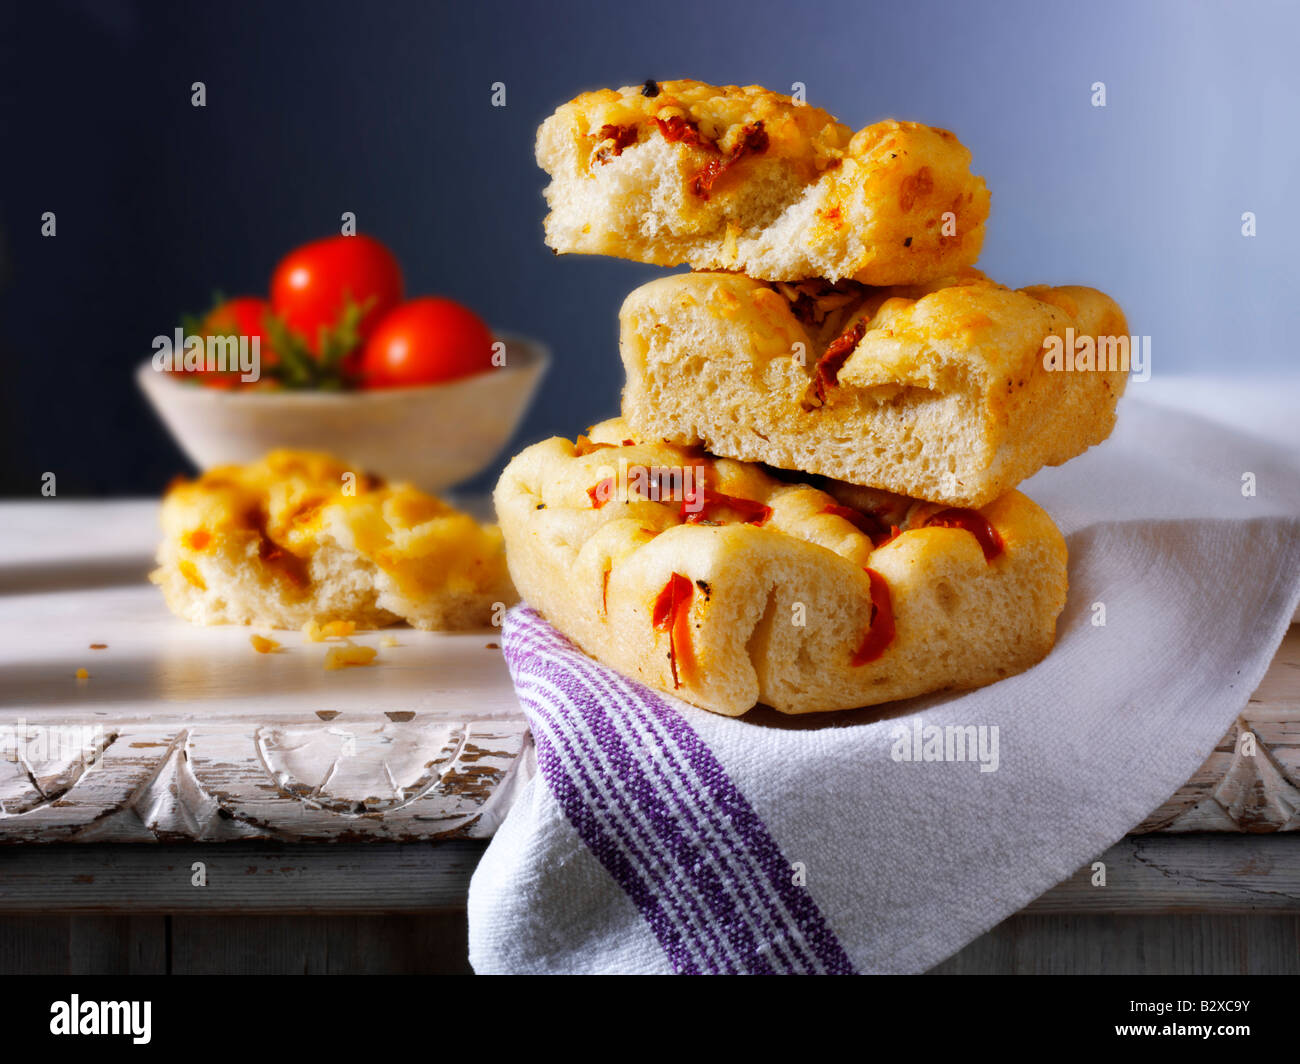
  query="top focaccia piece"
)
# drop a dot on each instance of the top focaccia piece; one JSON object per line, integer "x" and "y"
{"x": 745, "y": 179}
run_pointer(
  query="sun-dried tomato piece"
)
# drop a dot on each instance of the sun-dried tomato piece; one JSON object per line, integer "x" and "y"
{"x": 703, "y": 180}
{"x": 672, "y": 614}
{"x": 829, "y": 365}
{"x": 880, "y": 632}
{"x": 973, "y": 522}
{"x": 601, "y": 492}
{"x": 622, "y": 136}
{"x": 753, "y": 140}
{"x": 709, "y": 501}
{"x": 682, "y": 130}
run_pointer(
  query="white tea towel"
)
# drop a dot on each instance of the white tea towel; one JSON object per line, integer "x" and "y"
{"x": 658, "y": 837}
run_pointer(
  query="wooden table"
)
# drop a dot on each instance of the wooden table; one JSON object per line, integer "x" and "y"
{"x": 187, "y": 736}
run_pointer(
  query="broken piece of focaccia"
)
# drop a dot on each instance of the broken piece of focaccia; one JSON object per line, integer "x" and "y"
{"x": 746, "y": 179}
{"x": 298, "y": 538}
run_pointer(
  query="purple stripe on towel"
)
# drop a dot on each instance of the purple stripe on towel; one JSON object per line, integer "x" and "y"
{"x": 572, "y": 796}
{"x": 668, "y": 769}
{"x": 683, "y": 886}
{"x": 638, "y": 796}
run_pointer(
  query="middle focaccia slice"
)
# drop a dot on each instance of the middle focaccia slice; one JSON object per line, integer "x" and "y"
{"x": 726, "y": 586}
{"x": 939, "y": 392}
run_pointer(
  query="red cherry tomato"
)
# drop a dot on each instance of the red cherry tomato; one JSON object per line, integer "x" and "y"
{"x": 423, "y": 341}
{"x": 242, "y": 316}
{"x": 312, "y": 284}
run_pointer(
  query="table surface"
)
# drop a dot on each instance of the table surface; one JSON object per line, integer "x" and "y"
{"x": 195, "y": 736}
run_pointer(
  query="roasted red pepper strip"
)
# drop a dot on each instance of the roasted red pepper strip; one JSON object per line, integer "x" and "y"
{"x": 752, "y": 513}
{"x": 672, "y": 614}
{"x": 881, "y": 632}
{"x": 601, "y": 492}
{"x": 828, "y": 366}
{"x": 973, "y": 522}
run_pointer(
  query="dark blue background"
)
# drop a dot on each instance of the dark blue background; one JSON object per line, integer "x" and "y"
{"x": 384, "y": 109}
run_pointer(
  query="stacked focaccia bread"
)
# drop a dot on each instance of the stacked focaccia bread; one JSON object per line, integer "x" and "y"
{"x": 838, "y": 335}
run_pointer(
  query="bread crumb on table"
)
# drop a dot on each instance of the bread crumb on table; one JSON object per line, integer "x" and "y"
{"x": 83, "y": 674}
{"x": 318, "y": 633}
{"x": 263, "y": 645}
{"x": 348, "y": 655}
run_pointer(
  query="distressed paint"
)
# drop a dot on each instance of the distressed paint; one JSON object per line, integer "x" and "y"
{"x": 346, "y": 780}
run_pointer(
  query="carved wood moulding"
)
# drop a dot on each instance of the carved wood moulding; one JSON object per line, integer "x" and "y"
{"x": 397, "y": 780}
{"x": 398, "y": 777}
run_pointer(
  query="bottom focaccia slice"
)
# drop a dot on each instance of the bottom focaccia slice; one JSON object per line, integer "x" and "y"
{"x": 717, "y": 581}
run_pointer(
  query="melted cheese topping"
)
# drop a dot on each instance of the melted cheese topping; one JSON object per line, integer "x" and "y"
{"x": 796, "y": 131}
